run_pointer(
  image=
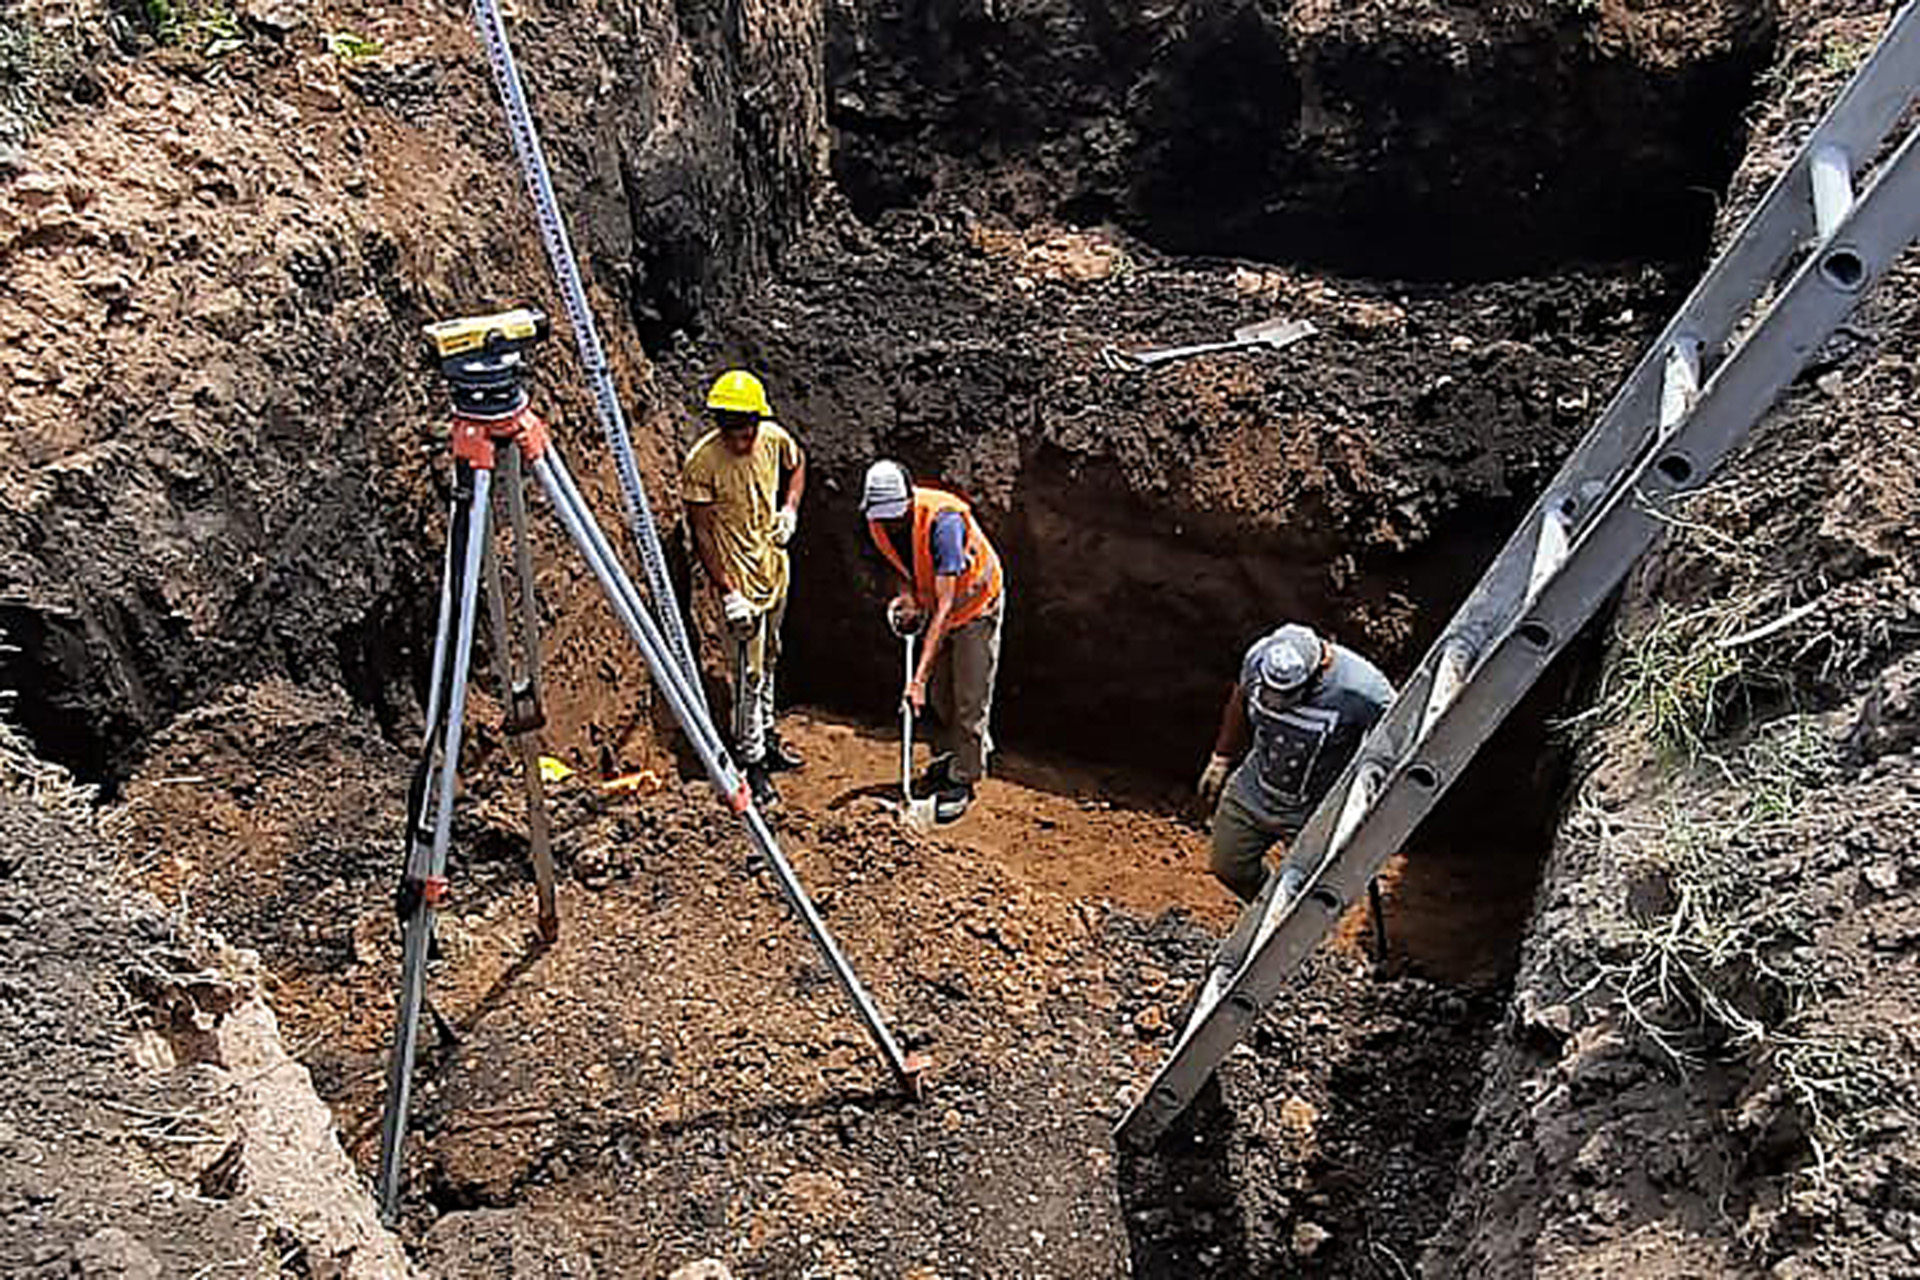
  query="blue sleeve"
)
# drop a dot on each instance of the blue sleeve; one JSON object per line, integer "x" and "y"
{"x": 949, "y": 543}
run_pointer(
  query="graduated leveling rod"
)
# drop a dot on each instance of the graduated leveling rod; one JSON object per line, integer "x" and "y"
{"x": 494, "y": 429}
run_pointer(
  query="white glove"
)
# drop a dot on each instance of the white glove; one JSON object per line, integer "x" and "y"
{"x": 785, "y": 521}
{"x": 1214, "y": 779}
{"x": 739, "y": 613}
{"x": 903, "y": 616}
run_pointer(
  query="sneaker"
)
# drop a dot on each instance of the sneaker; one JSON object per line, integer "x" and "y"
{"x": 781, "y": 757}
{"x": 950, "y": 802}
{"x": 762, "y": 787}
{"x": 938, "y": 775}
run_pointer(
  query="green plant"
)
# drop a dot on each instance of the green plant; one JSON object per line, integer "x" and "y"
{"x": 206, "y": 27}
{"x": 1714, "y": 965}
{"x": 1671, "y": 677}
{"x": 1839, "y": 57}
{"x": 351, "y": 47}
{"x": 1779, "y": 766}
{"x": 32, "y": 70}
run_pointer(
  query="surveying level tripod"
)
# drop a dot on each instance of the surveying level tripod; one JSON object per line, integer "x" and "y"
{"x": 494, "y": 431}
{"x": 1786, "y": 281}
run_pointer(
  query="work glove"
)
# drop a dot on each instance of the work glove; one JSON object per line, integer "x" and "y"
{"x": 1213, "y": 779}
{"x": 903, "y": 616}
{"x": 785, "y": 521}
{"x": 738, "y": 611}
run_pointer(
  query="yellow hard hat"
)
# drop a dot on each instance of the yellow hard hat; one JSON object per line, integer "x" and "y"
{"x": 738, "y": 391}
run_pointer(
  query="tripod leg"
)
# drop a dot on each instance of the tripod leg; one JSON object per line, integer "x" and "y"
{"x": 742, "y": 703}
{"x": 424, "y": 880}
{"x": 520, "y": 691}
{"x": 693, "y": 718}
{"x": 1377, "y": 909}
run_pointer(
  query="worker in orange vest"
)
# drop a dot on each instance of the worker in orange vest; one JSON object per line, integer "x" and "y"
{"x": 949, "y": 579}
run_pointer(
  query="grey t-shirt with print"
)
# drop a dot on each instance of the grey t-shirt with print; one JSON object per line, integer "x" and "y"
{"x": 1298, "y": 754}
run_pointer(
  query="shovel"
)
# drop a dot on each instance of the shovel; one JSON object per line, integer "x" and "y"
{"x": 915, "y": 815}
{"x": 1267, "y": 333}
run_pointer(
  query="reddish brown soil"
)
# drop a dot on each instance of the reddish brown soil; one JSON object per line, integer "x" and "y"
{"x": 681, "y": 1045}
{"x": 221, "y": 533}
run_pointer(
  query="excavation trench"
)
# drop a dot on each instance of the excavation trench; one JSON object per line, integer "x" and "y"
{"x": 681, "y": 1056}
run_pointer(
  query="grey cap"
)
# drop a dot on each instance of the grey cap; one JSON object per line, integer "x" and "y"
{"x": 888, "y": 493}
{"x": 1289, "y": 660}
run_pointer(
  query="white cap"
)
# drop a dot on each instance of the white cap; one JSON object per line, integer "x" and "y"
{"x": 887, "y": 494}
{"x": 1287, "y": 665}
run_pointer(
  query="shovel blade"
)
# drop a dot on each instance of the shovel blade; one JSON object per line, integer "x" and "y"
{"x": 917, "y": 815}
{"x": 1275, "y": 333}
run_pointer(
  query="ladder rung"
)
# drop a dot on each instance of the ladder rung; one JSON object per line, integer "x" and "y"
{"x": 1832, "y": 175}
{"x": 1680, "y": 384}
{"x": 1550, "y": 552}
{"x": 1366, "y": 784}
{"x": 1449, "y": 673}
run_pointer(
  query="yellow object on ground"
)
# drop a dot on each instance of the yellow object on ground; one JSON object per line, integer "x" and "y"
{"x": 644, "y": 780}
{"x": 552, "y": 770}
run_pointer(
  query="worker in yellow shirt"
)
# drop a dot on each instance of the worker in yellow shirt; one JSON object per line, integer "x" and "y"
{"x": 743, "y": 518}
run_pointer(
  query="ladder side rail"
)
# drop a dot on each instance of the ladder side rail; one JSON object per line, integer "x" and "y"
{"x": 1857, "y": 125}
{"x": 1821, "y": 294}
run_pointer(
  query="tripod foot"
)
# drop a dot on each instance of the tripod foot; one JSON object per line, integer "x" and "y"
{"x": 913, "y": 1075}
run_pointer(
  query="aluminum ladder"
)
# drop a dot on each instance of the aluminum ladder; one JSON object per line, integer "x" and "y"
{"x": 1790, "y": 276}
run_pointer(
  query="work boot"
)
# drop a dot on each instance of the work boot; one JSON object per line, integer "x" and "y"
{"x": 781, "y": 757}
{"x": 951, "y": 801}
{"x": 938, "y": 775}
{"x": 761, "y": 786}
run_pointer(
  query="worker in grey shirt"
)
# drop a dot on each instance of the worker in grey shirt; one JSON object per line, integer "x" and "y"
{"x": 1306, "y": 704}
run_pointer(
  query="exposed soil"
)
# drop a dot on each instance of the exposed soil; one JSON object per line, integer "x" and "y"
{"x": 681, "y": 1062}
{"x": 1153, "y": 525}
{"x": 221, "y": 421}
{"x": 220, "y": 510}
{"x": 153, "y": 1125}
{"x": 1429, "y": 140}
{"x": 1752, "y": 1112}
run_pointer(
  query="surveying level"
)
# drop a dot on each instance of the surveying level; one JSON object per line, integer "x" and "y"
{"x": 483, "y": 358}
{"x": 495, "y": 432}
{"x": 502, "y": 330}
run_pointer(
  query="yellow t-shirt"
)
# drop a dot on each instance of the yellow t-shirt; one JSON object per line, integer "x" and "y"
{"x": 744, "y": 493}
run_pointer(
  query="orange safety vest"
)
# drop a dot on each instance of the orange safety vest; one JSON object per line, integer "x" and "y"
{"x": 978, "y": 588}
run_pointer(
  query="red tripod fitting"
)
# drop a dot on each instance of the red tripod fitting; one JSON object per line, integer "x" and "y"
{"x": 474, "y": 439}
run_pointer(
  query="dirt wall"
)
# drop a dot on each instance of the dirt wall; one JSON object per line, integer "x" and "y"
{"x": 155, "y": 1123}
{"x": 1154, "y": 524}
{"x": 222, "y": 426}
{"x": 1354, "y": 137}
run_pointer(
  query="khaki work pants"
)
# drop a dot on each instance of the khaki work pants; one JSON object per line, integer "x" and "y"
{"x": 755, "y": 656}
{"x": 960, "y": 691}
{"x": 1240, "y": 845}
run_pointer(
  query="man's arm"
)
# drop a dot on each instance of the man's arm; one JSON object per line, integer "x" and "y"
{"x": 944, "y": 587}
{"x": 701, "y": 515}
{"x": 797, "y": 480}
{"x": 1232, "y": 738}
{"x": 1227, "y": 746}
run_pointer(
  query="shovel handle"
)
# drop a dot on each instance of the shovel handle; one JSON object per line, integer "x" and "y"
{"x": 906, "y": 727}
